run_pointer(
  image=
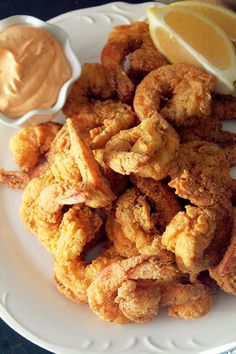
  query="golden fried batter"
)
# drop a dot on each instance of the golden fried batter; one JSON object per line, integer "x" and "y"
{"x": 135, "y": 42}
{"x": 20, "y": 179}
{"x": 123, "y": 245}
{"x": 208, "y": 129}
{"x": 146, "y": 150}
{"x": 201, "y": 174}
{"x": 63, "y": 234}
{"x": 29, "y": 144}
{"x": 224, "y": 107}
{"x": 139, "y": 301}
{"x": 188, "y": 235}
{"x": 137, "y": 216}
{"x": 118, "y": 182}
{"x": 188, "y": 301}
{"x": 103, "y": 293}
{"x": 76, "y": 170}
{"x": 190, "y": 90}
{"x": 100, "y": 82}
{"x": 72, "y": 278}
{"x": 225, "y": 272}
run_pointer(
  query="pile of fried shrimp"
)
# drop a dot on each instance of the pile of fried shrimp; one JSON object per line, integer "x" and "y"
{"x": 141, "y": 167}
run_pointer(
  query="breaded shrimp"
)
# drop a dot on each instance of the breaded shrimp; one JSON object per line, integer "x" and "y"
{"x": 123, "y": 245}
{"x": 201, "y": 174}
{"x": 208, "y": 129}
{"x": 135, "y": 42}
{"x": 76, "y": 170}
{"x": 188, "y": 235}
{"x": 79, "y": 226}
{"x": 224, "y": 107}
{"x": 139, "y": 300}
{"x": 29, "y": 144}
{"x": 41, "y": 214}
{"x": 225, "y": 272}
{"x": 142, "y": 218}
{"x": 97, "y": 81}
{"x": 20, "y": 179}
{"x": 103, "y": 293}
{"x": 106, "y": 119}
{"x": 230, "y": 154}
{"x": 190, "y": 90}
{"x": 188, "y": 301}
{"x": 199, "y": 237}
{"x": 161, "y": 199}
{"x": 63, "y": 234}
{"x": 118, "y": 182}
{"x": 146, "y": 150}
{"x": 72, "y": 278}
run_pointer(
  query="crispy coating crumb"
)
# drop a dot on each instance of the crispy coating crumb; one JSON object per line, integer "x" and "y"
{"x": 29, "y": 144}
{"x": 189, "y": 86}
{"x": 225, "y": 272}
{"x": 188, "y": 301}
{"x": 146, "y": 150}
{"x": 201, "y": 174}
{"x": 132, "y": 41}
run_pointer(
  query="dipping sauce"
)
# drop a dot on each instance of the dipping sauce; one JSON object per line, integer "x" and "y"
{"x": 33, "y": 68}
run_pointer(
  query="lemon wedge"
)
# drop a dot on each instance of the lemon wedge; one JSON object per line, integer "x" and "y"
{"x": 224, "y": 18}
{"x": 185, "y": 36}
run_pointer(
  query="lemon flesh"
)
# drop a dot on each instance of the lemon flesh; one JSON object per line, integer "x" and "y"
{"x": 184, "y": 36}
{"x": 224, "y": 18}
{"x": 202, "y": 43}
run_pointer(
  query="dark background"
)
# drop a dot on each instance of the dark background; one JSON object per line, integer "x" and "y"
{"x": 10, "y": 341}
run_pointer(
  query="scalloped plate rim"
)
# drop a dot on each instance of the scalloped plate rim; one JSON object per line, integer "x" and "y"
{"x": 4, "y": 314}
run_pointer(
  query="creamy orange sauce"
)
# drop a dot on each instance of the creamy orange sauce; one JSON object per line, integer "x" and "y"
{"x": 33, "y": 68}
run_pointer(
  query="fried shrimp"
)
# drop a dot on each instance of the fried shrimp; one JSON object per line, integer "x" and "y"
{"x": 224, "y": 107}
{"x": 76, "y": 170}
{"x": 188, "y": 235}
{"x": 230, "y": 154}
{"x": 123, "y": 245}
{"x": 142, "y": 218}
{"x": 208, "y": 129}
{"x": 233, "y": 189}
{"x": 201, "y": 174}
{"x": 197, "y": 237}
{"x": 109, "y": 119}
{"x": 135, "y": 42}
{"x": 118, "y": 182}
{"x": 103, "y": 120}
{"x": 41, "y": 214}
{"x": 138, "y": 301}
{"x": 96, "y": 81}
{"x": 63, "y": 234}
{"x": 72, "y": 278}
{"x": 225, "y": 272}
{"x": 161, "y": 198}
{"x": 14, "y": 179}
{"x": 106, "y": 292}
{"x": 29, "y": 144}
{"x": 188, "y": 301}
{"x": 79, "y": 226}
{"x": 146, "y": 150}
{"x": 190, "y": 88}
{"x": 20, "y": 179}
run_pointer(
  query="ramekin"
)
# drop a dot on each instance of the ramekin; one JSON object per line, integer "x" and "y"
{"x": 38, "y": 116}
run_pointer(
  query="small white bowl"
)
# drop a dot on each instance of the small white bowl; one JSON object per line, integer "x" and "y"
{"x": 37, "y": 116}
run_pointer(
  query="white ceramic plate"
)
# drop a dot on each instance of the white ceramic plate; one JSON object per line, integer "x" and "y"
{"x": 29, "y": 302}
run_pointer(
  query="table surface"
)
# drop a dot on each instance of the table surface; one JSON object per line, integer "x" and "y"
{"x": 10, "y": 341}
